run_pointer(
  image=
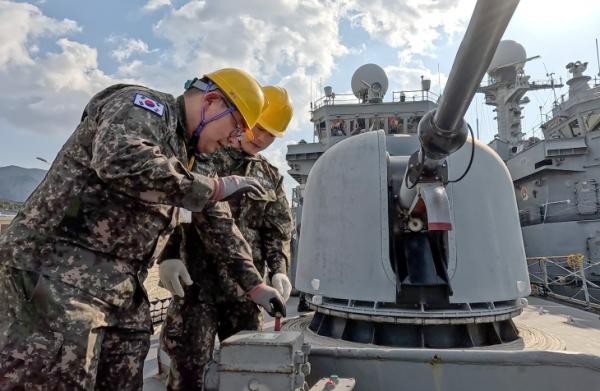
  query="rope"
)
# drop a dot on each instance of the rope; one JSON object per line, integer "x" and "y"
{"x": 575, "y": 260}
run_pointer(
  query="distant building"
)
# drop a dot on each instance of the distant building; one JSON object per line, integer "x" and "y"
{"x": 5, "y": 221}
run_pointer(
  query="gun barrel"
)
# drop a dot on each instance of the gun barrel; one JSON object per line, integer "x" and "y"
{"x": 488, "y": 23}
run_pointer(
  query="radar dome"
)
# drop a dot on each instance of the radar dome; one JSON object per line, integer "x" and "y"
{"x": 369, "y": 77}
{"x": 508, "y": 53}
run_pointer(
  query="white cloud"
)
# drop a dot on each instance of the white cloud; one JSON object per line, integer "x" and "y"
{"x": 153, "y": 5}
{"x": 407, "y": 77}
{"x": 22, "y": 23}
{"x": 49, "y": 95}
{"x": 412, "y": 26}
{"x": 260, "y": 36}
{"x": 127, "y": 47}
{"x": 131, "y": 69}
{"x": 44, "y": 92}
{"x": 275, "y": 154}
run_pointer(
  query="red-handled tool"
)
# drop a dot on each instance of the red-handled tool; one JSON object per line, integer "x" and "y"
{"x": 278, "y": 311}
{"x": 277, "y": 322}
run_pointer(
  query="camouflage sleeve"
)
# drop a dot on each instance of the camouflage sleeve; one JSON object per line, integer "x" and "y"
{"x": 223, "y": 161}
{"x": 276, "y": 232}
{"x": 223, "y": 239}
{"x": 127, "y": 153}
{"x": 172, "y": 249}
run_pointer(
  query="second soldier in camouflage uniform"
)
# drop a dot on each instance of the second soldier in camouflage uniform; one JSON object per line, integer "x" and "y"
{"x": 215, "y": 304}
{"x": 73, "y": 313}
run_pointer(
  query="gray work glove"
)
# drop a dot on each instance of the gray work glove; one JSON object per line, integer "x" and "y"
{"x": 172, "y": 272}
{"x": 229, "y": 186}
{"x": 269, "y": 299}
{"x": 282, "y": 283}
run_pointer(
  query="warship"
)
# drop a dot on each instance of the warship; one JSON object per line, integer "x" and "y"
{"x": 410, "y": 253}
{"x": 555, "y": 178}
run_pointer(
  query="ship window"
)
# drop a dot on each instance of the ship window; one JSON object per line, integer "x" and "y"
{"x": 575, "y": 129}
{"x": 395, "y": 125}
{"x": 338, "y": 127}
{"x": 322, "y": 130}
{"x": 376, "y": 123}
{"x": 357, "y": 126}
{"x": 413, "y": 123}
{"x": 592, "y": 121}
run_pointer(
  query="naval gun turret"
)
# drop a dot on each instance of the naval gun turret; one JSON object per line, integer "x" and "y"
{"x": 414, "y": 240}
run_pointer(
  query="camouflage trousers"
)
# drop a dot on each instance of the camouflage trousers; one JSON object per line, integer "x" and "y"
{"x": 189, "y": 332}
{"x": 55, "y": 337}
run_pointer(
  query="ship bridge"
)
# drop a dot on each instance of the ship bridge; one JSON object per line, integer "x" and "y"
{"x": 336, "y": 117}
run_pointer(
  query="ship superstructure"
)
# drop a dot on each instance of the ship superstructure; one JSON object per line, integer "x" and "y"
{"x": 557, "y": 178}
{"x": 336, "y": 117}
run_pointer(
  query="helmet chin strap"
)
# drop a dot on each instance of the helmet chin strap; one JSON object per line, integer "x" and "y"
{"x": 203, "y": 121}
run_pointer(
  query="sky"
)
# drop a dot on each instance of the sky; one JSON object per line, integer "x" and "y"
{"x": 56, "y": 54}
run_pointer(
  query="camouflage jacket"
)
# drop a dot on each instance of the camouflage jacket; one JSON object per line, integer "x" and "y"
{"x": 265, "y": 222}
{"x": 109, "y": 202}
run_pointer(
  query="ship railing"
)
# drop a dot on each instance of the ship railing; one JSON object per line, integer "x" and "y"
{"x": 547, "y": 119}
{"x": 524, "y": 79}
{"x": 335, "y": 99}
{"x": 549, "y": 276}
{"x": 397, "y": 96}
{"x": 542, "y": 82}
{"x": 296, "y": 197}
{"x": 414, "y": 96}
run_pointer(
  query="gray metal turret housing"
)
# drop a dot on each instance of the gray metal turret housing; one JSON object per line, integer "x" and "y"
{"x": 347, "y": 262}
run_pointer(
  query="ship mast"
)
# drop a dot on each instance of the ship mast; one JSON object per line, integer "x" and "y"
{"x": 507, "y": 88}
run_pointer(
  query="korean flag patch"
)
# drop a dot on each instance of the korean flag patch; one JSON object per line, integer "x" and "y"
{"x": 149, "y": 104}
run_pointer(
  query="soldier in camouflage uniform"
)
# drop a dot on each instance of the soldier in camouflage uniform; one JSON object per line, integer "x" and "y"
{"x": 73, "y": 313}
{"x": 215, "y": 304}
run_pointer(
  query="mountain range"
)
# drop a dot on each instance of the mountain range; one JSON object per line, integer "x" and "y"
{"x": 17, "y": 183}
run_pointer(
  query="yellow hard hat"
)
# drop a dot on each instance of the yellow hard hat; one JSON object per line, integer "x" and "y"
{"x": 242, "y": 90}
{"x": 278, "y": 114}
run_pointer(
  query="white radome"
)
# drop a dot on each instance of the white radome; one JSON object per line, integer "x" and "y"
{"x": 509, "y": 52}
{"x": 367, "y": 76}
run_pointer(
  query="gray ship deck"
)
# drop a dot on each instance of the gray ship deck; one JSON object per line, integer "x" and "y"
{"x": 570, "y": 329}
{"x": 151, "y": 376}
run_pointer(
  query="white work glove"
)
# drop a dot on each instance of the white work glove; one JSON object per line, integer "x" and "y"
{"x": 229, "y": 186}
{"x": 172, "y": 273}
{"x": 282, "y": 283}
{"x": 268, "y": 298}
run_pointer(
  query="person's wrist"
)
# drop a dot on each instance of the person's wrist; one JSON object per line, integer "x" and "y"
{"x": 217, "y": 193}
{"x": 256, "y": 289}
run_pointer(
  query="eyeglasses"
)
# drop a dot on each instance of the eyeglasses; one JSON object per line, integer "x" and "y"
{"x": 239, "y": 129}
